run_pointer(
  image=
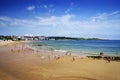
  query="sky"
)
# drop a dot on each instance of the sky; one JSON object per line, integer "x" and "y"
{"x": 72, "y": 18}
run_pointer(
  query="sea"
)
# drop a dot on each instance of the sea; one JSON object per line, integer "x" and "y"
{"x": 87, "y": 47}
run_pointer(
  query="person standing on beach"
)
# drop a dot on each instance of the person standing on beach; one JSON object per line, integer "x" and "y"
{"x": 70, "y": 53}
{"x": 37, "y": 51}
{"x": 49, "y": 57}
{"x": 51, "y": 51}
{"x": 101, "y": 54}
{"x": 11, "y": 50}
{"x": 18, "y": 50}
{"x": 66, "y": 53}
{"x": 73, "y": 59}
{"x": 109, "y": 59}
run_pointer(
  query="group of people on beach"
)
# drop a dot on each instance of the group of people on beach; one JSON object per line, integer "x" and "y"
{"x": 18, "y": 48}
{"x": 109, "y": 59}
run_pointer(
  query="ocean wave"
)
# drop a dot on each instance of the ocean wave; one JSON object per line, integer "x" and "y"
{"x": 60, "y": 50}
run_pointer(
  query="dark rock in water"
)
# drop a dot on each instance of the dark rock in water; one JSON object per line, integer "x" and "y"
{"x": 95, "y": 57}
{"x": 101, "y": 53}
{"x": 37, "y": 45}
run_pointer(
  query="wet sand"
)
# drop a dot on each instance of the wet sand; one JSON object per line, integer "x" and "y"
{"x": 17, "y": 62}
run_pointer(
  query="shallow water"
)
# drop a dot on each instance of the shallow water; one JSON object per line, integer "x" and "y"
{"x": 111, "y": 47}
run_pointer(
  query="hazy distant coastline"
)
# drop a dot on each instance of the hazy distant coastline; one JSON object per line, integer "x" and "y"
{"x": 17, "y": 38}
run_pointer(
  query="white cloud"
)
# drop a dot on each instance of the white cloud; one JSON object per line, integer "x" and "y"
{"x": 30, "y": 8}
{"x": 105, "y": 16}
{"x": 115, "y": 12}
{"x": 65, "y": 20}
{"x": 4, "y": 18}
{"x": 50, "y": 11}
{"x": 2, "y": 24}
{"x": 99, "y": 17}
{"x": 69, "y": 8}
{"x": 67, "y": 11}
{"x": 38, "y": 21}
{"x": 28, "y": 35}
{"x": 45, "y": 6}
{"x": 68, "y": 25}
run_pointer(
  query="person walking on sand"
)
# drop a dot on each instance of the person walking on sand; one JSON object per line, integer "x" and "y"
{"x": 51, "y": 49}
{"x": 73, "y": 59}
{"x": 49, "y": 57}
{"x": 109, "y": 59}
{"x": 66, "y": 53}
{"x": 70, "y": 54}
{"x": 18, "y": 50}
{"x": 11, "y": 50}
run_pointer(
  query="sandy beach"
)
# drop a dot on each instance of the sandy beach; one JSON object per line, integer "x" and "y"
{"x": 18, "y": 62}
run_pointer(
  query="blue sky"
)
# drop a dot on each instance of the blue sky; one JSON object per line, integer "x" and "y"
{"x": 74, "y": 18}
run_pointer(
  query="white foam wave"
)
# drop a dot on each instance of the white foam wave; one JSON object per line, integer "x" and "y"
{"x": 61, "y": 51}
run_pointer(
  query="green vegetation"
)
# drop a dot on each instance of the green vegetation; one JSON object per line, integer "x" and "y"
{"x": 13, "y": 38}
{"x": 16, "y": 38}
{"x": 6, "y": 38}
{"x": 71, "y": 38}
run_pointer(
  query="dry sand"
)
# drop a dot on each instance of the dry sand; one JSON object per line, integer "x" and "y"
{"x": 27, "y": 64}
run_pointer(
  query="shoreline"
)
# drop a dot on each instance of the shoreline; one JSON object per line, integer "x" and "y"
{"x": 75, "y": 51}
{"x": 59, "y": 52}
{"x": 18, "y": 62}
{"x": 80, "y": 53}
